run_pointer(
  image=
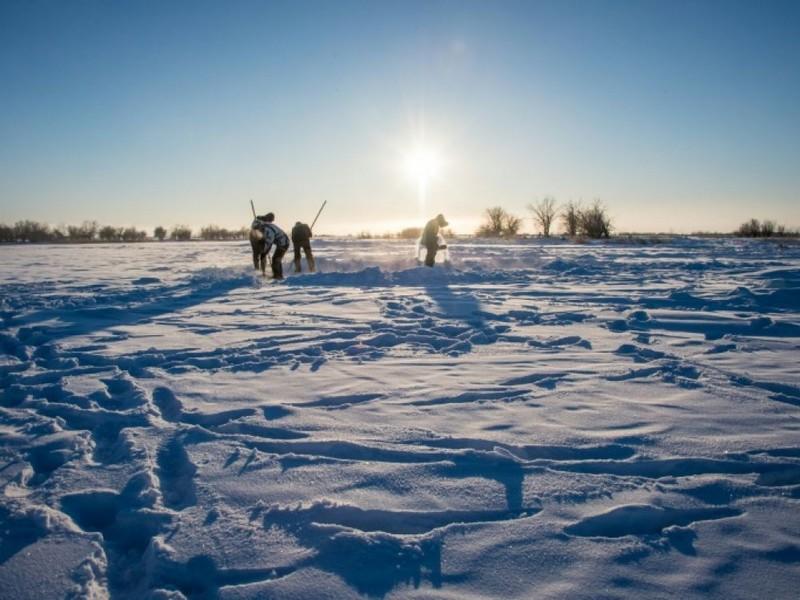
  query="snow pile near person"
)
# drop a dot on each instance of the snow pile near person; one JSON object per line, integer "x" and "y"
{"x": 532, "y": 420}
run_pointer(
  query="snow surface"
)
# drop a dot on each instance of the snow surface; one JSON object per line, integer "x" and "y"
{"x": 533, "y": 421}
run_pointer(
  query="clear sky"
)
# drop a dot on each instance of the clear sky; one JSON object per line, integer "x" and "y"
{"x": 680, "y": 116}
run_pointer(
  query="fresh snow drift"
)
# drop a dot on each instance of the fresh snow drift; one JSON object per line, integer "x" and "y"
{"x": 535, "y": 420}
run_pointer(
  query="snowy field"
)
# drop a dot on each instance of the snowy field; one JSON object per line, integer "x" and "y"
{"x": 534, "y": 421}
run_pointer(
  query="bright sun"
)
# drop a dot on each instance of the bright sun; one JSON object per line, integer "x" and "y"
{"x": 423, "y": 164}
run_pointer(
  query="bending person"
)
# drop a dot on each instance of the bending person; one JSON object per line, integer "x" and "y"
{"x": 430, "y": 239}
{"x": 270, "y": 234}
{"x": 301, "y": 239}
{"x": 258, "y": 245}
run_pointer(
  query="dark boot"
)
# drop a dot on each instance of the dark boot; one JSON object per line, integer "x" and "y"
{"x": 430, "y": 256}
{"x": 277, "y": 264}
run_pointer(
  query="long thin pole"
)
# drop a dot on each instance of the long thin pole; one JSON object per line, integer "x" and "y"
{"x": 319, "y": 212}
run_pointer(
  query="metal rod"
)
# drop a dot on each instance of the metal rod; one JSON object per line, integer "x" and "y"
{"x": 318, "y": 214}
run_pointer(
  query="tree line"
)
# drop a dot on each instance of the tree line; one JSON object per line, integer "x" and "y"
{"x": 765, "y": 228}
{"x": 577, "y": 220}
{"x": 91, "y": 231}
{"x": 592, "y": 221}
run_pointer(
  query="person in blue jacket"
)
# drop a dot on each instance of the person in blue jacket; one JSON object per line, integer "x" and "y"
{"x": 263, "y": 234}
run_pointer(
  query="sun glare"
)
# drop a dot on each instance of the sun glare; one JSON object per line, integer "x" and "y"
{"x": 423, "y": 164}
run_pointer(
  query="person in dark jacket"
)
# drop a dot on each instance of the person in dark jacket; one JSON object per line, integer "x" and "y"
{"x": 430, "y": 239}
{"x": 258, "y": 245}
{"x": 263, "y": 234}
{"x": 301, "y": 239}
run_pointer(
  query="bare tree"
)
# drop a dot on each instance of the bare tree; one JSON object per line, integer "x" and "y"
{"x": 6, "y": 233}
{"x": 181, "y": 233}
{"x": 544, "y": 213}
{"x": 499, "y": 223}
{"x": 31, "y": 231}
{"x": 493, "y": 225}
{"x": 215, "y": 232}
{"x": 131, "y": 234}
{"x": 160, "y": 233}
{"x": 511, "y": 226}
{"x": 751, "y": 228}
{"x": 594, "y": 221}
{"x": 767, "y": 228}
{"x": 82, "y": 233}
{"x": 570, "y": 217}
{"x": 109, "y": 233}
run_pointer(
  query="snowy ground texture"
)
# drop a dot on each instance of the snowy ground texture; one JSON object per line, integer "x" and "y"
{"x": 534, "y": 421}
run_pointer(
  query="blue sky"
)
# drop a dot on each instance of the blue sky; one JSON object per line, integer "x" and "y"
{"x": 680, "y": 116}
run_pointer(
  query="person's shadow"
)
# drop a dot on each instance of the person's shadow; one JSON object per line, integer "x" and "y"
{"x": 461, "y": 306}
{"x": 140, "y": 305}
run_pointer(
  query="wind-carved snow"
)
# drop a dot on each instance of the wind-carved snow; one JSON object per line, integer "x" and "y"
{"x": 532, "y": 420}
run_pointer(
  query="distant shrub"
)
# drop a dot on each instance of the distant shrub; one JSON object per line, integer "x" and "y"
{"x": 493, "y": 223}
{"x": 765, "y": 228}
{"x": 131, "y": 234}
{"x": 31, "y": 231}
{"x": 364, "y": 235}
{"x": 121, "y": 234}
{"x": 594, "y": 222}
{"x": 751, "y": 228}
{"x": 499, "y": 223}
{"x": 570, "y": 217}
{"x": 109, "y": 233}
{"x": 88, "y": 231}
{"x": 180, "y": 233}
{"x": 783, "y": 231}
{"x": 213, "y": 232}
{"x": 410, "y": 233}
{"x": 511, "y": 226}
{"x": 544, "y": 213}
{"x": 84, "y": 232}
{"x": 6, "y": 233}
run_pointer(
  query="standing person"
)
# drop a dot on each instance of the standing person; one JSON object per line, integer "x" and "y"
{"x": 270, "y": 234}
{"x": 430, "y": 238}
{"x": 301, "y": 238}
